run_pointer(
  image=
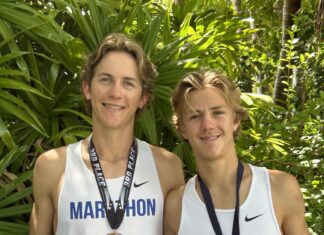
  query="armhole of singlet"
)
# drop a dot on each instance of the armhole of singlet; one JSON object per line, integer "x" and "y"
{"x": 188, "y": 190}
{"x": 266, "y": 172}
{"x": 68, "y": 161}
{"x": 71, "y": 151}
{"x": 145, "y": 149}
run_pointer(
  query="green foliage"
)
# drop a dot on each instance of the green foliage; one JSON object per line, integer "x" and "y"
{"x": 291, "y": 141}
{"x": 42, "y": 47}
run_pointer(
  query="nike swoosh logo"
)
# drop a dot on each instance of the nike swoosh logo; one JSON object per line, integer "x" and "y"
{"x": 251, "y": 218}
{"x": 138, "y": 185}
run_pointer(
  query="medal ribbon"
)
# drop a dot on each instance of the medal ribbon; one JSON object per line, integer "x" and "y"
{"x": 210, "y": 206}
{"x": 114, "y": 217}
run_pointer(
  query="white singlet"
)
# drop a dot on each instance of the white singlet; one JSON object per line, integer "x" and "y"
{"x": 80, "y": 207}
{"x": 256, "y": 216}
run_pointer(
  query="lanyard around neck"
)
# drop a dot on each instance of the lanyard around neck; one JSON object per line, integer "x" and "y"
{"x": 114, "y": 217}
{"x": 210, "y": 206}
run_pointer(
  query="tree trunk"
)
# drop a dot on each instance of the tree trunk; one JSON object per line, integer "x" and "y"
{"x": 178, "y": 2}
{"x": 247, "y": 83}
{"x": 237, "y": 7}
{"x": 320, "y": 20}
{"x": 290, "y": 7}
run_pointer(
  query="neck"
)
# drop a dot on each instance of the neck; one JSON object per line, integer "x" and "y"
{"x": 218, "y": 173}
{"x": 112, "y": 145}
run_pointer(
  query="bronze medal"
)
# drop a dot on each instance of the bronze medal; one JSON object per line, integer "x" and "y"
{"x": 114, "y": 233}
{"x": 114, "y": 217}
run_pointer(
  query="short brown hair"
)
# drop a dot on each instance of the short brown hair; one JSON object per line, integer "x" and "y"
{"x": 121, "y": 43}
{"x": 198, "y": 80}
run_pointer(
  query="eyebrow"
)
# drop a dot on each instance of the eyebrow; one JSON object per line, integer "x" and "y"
{"x": 130, "y": 79}
{"x": 106, "y": 74}
{"x": 214, "y": 108}
{"x": 217, "y": 107}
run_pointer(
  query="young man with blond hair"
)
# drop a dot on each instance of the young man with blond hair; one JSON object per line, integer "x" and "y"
{"x": 226, "y": 196}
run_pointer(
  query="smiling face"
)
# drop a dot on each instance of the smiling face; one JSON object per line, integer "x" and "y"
{"x": 118, "y": 42}
{"x": 208, "y": 124}
{"x": 115, "y": 91}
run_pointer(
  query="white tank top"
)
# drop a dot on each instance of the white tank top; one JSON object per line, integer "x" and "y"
{"x": 80, "y": 208}
{"x": 256, "y": 213}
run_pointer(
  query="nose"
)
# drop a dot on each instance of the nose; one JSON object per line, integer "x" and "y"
{"x": 207, "y": 122}
{"x": 115, "y": 90}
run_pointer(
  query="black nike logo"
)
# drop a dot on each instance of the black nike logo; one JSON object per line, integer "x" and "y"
{"x": 138, "y": 185}
{"x": 251, "y": 218}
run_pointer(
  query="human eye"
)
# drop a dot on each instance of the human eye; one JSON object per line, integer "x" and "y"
{"x": 194, "y": 116}
{"x": 105, "y": 79}
{"x": 218, "y": 112}
{"x": 129, "y": 84}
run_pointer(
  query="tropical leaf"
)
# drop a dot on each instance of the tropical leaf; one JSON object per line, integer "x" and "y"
{"x": 13, "y": 107}
{"x": 6, "y": 136}
{"x": 9, "y": 228}
{"x": 13, "y": 198}
{"x": 7, "y": 34}
{"x": 83, "y": 116}
{"x": 148, "y": 126}
{"x": 7, "y": 189}
{"x": 18, "y": 85}
{"x": 9, "y": 158}
{"x": 15, "y": 210}
{"x": 10, "y": 56}
{"x": 149, "y": 39}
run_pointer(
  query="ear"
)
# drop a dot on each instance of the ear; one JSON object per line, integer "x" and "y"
{"x": 86, "y": 89}
{"x": 182, "y": 131}
{"x": 237, "y": 122}
{"x": 184, "y": 135}
{"x": 145, "y": 97}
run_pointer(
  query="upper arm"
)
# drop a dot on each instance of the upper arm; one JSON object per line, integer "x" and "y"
{"x": 45, "y": 179}
{"x": 288, "y": 197}
{"x": 172, "y": 211}
{"x": 169, "y": 168}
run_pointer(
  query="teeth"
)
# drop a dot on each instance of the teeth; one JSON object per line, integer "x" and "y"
{"x": 112, "y": 106}
{"x": 209, "y": 138}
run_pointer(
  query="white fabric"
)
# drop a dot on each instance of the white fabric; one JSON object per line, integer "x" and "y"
{"x": 80, "y": 208}
{"x": 195, "y": 219}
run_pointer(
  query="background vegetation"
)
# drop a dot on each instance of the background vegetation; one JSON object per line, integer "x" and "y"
{"x": 43, "y": 44}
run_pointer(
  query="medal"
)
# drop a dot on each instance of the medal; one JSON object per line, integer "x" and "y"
{"x": 114, "y": 233}
{"x": 114, "y": 217}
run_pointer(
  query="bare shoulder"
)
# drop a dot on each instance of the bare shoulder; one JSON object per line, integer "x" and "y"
{"x": 163, "y": 154}
{"x": 172, "y": 213}
{"x": 283, "y": 183}
{"x": 169, "y": 168}
{"x": 48, "y": 171}
{"x": 53, "y": 155}
{"x": 166, "y": 159}
{"x": 51, "y": 160}
{"x": 285, "y": 189}
{"x": 49, "y": 167}
{"x": 288, "y": 203}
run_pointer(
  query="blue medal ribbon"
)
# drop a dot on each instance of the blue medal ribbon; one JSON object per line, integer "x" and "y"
{"x": 210, "y": 206}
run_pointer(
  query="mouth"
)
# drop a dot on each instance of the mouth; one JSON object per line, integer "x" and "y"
{"x": 113, "y": 106}
{"x": 210, "y": 137}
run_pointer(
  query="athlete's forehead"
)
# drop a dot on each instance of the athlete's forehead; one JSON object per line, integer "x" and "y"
{"x": 205, "y": 99}
{"x": 191, "y": 110}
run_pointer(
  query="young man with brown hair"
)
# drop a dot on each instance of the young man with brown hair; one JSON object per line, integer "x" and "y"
{"x": 110, "y": 182}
